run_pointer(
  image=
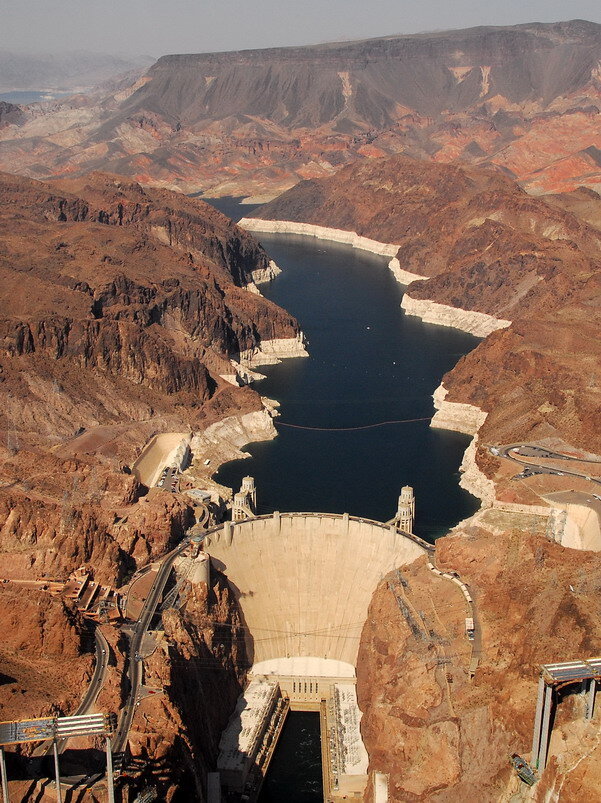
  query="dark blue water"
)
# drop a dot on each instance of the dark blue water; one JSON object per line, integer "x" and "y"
{"x": 230, "y": 206}
{"x": 24, "y": 97}
{"x": 294, "y": 774}
{"x": 369, "y": 363}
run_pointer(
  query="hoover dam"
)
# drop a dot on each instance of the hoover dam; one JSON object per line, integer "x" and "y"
{"x": 303, "y": 583}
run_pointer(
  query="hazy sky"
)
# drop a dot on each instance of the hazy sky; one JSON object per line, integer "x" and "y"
{"x": 156, "y": 27}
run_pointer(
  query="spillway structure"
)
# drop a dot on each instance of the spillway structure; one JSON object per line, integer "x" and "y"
{"x": 303, "y": 583}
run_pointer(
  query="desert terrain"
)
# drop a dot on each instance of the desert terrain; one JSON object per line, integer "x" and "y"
{"x": 524, "y": 99}
{"x": 130, "y": 312}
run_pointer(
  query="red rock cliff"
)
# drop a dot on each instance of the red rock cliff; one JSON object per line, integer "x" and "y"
{"x": 487, "y": 247}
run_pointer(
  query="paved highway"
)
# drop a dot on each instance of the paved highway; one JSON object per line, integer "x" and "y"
{"x": 88, "y": 700}
{"x": 526, "y": 450}
{"x": 102, "y": 660}
{"x": 135, "y": 663}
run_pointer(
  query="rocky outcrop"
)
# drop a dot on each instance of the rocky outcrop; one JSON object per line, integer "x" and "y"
{"x": 535, "y": 380}
{"x": 133, "y": 289}
{"x": 525, "y": 98}
{"x": 59, "y": 514}
{"x": 120, "y": 308}
{"x": 264, "y": 275}
{"x": 467, "y": 419}
{"x": 473, "y": 478}
{"x": 455, "y": 416}
{"x": 271, "y": 352}
{"x": 440, "y": 734}
{"x": 401, "y": 275}
{"x": 10, "y": 114}
{"x": 442, "y": 218}
{"x": 202, "y": 658}
{"x": 226, "y": 438}
{"x": 45, "y": 645}
{"x": 54, "y": 631}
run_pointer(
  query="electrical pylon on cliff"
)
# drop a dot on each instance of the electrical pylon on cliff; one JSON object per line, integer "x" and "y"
{"x": 12, "y": 439}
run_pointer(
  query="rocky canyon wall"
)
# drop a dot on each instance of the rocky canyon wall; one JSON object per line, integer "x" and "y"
{"x": 443, "y": 735}
{"x": 514, "y": 269}
{"x": 121, "y": 308}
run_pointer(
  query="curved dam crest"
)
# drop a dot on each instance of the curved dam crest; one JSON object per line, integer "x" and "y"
{"x": 304, "y": 581}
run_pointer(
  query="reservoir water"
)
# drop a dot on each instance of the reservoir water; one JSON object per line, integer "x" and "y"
{"x": 24, "y": 97}
{"x": 369, "y": 363}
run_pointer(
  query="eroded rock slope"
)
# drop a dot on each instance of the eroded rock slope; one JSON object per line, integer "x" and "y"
{"x": 120, "y": 310}
{"x": 525, "y": 98}
{"x": 486, "y": 246}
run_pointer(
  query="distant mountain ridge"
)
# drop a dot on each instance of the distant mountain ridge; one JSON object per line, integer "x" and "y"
{"x": 65, "y": 71}
{"x": 427, "y": 73}
{"x": 524, "y": 98}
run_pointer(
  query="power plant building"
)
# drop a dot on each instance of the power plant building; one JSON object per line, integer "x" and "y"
{"x": 247, "y": 743}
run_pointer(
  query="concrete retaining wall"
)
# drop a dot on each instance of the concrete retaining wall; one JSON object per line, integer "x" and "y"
{"x": 582, "y": 528}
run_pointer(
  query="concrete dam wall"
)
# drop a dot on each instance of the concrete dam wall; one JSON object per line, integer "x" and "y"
{"x": 304, "y": 581}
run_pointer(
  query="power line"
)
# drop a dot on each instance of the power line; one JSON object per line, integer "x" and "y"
{"x": 353, "y": 429}
{"x": 323, "y": 630}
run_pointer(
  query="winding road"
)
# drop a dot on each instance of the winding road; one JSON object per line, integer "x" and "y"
{"x": 135, "y": 668}
{"x": 89, "y": 698}
{"x": 102, "y": 660}
{"x": 531, "y": 468}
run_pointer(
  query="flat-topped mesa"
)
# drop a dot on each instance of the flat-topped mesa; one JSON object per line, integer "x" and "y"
{"x": 305, "y": 86}
{"x": 524, "y": 98}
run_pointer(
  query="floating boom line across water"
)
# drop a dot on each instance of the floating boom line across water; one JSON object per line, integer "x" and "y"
{"x": 353, "y": 429}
